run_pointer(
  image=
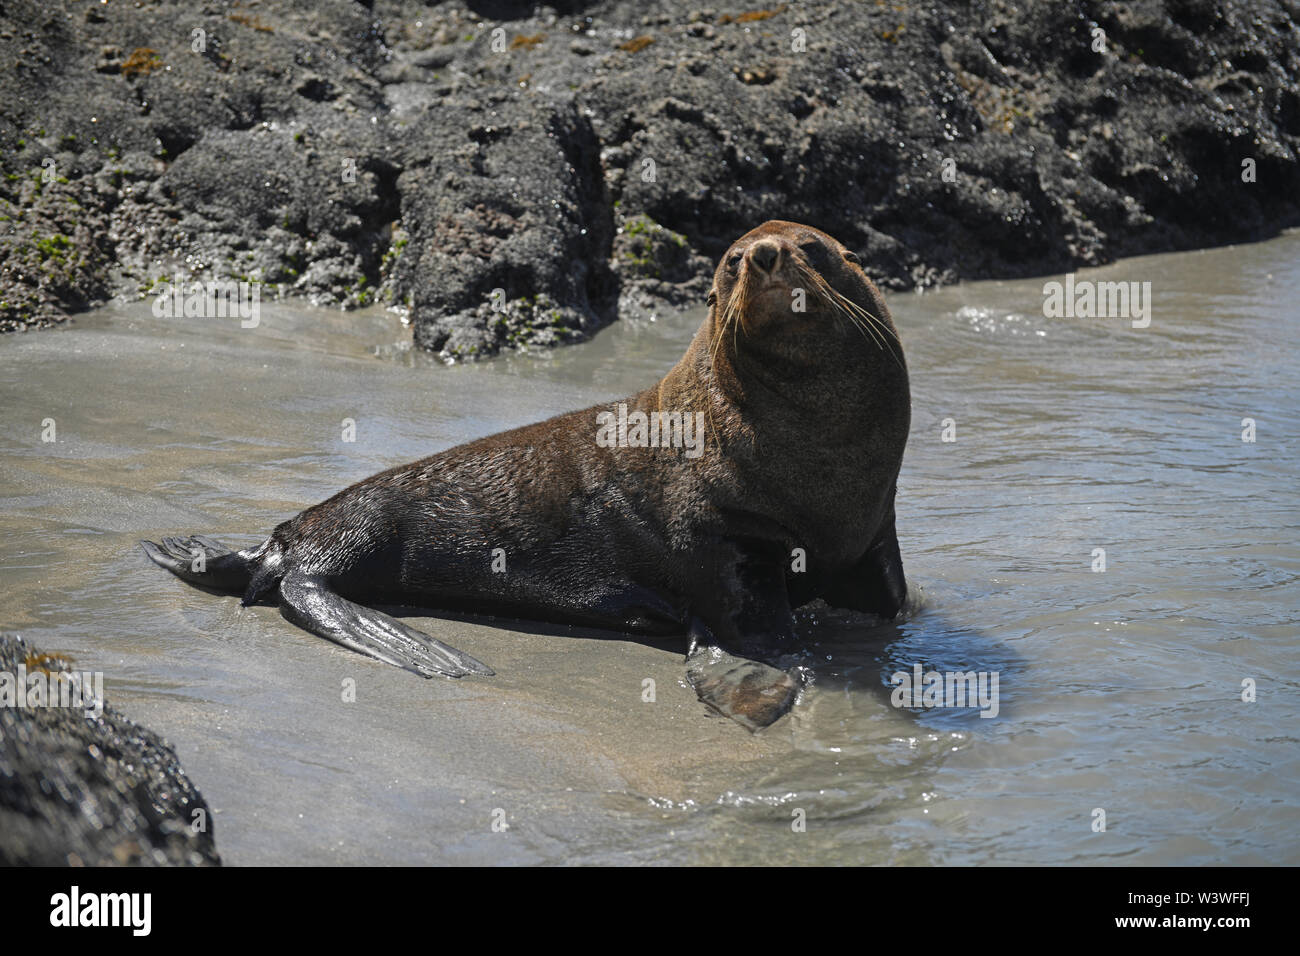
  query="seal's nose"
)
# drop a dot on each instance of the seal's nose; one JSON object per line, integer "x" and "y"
{"x": 764, "y": 254}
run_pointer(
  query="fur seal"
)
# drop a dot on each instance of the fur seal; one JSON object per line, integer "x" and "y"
{"x": 757, "y": 475}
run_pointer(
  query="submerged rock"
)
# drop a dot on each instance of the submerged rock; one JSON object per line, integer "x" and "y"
{"x": 468, "y": 161}
{"x": 93, "y": 791}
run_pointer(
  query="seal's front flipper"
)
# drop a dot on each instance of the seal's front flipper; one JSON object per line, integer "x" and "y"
{"x": 753, "y": 694}
{"x": 876, "y": 583}
{"x": 750, "y": 692}
{"x": 308, "y": 602}
{"x": 740, "y": 619}
{"x": 202, "y": 561}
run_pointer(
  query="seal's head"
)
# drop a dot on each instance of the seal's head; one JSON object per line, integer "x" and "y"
{"x": 791, "y": 279}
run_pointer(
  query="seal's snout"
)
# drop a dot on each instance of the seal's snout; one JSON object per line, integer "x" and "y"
{"x": 765, "y": 254}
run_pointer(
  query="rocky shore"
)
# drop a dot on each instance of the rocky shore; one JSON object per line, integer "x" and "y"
{"x": 514, "y": 175}
{"x": 78, "y": 789}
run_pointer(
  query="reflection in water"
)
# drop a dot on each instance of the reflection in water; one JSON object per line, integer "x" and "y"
{"x": 1119, "y": 690}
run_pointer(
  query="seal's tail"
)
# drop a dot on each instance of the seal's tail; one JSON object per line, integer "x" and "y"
{"x": 203, "y": 562}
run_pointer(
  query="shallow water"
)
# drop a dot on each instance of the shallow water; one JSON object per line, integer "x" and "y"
{"x": 1118, "y": 690}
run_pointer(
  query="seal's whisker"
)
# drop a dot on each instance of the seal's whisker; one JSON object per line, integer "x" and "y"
{"x": 728, "y": 315}
{"x": 737, "y": 300}
{"x": 817, "y": 283}
{"x": 874, "y": 320}
{"x": 742, "y": 306}
{"x": 840, "y": 305}
{"x": 864, "y": 317}
{"x": 888, "y": 335}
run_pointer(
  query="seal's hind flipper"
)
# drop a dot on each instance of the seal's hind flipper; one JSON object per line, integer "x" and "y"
{"x": 202, "y": 561}
{"x": 307, "y": 601}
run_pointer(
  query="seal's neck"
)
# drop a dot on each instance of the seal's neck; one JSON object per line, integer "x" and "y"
{"x": 739, "y": 372}
{"x": 781, "y": 365}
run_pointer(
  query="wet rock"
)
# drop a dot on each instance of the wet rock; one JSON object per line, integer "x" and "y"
{"x": 474, "y": 163}
{"x": 93, "y": 791}
{"x": 655, "y": 266}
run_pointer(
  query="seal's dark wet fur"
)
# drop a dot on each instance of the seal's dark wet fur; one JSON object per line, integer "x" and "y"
{"x": 792, "y": 498}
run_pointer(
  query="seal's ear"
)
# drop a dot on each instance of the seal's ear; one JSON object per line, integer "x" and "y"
{"x": 713, "y": 297}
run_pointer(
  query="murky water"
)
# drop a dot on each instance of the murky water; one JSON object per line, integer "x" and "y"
{"x": 1119, "y": 690}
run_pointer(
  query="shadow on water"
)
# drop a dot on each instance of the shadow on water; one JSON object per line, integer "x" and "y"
{"x": 840, "y": 652}
{"x": 849, "y": 653}
{"x": 503, "y": 622}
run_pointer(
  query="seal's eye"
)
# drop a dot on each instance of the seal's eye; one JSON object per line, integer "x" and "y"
{"x": 813, "y": 250}
{"x": 713, "y": 297}
{"x": 733, "y": 262}
{"x": 852, "y": 257}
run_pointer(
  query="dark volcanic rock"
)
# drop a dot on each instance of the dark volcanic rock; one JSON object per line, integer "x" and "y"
{"x": 517, "y": 175}
{"x": 93, "y": 791}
